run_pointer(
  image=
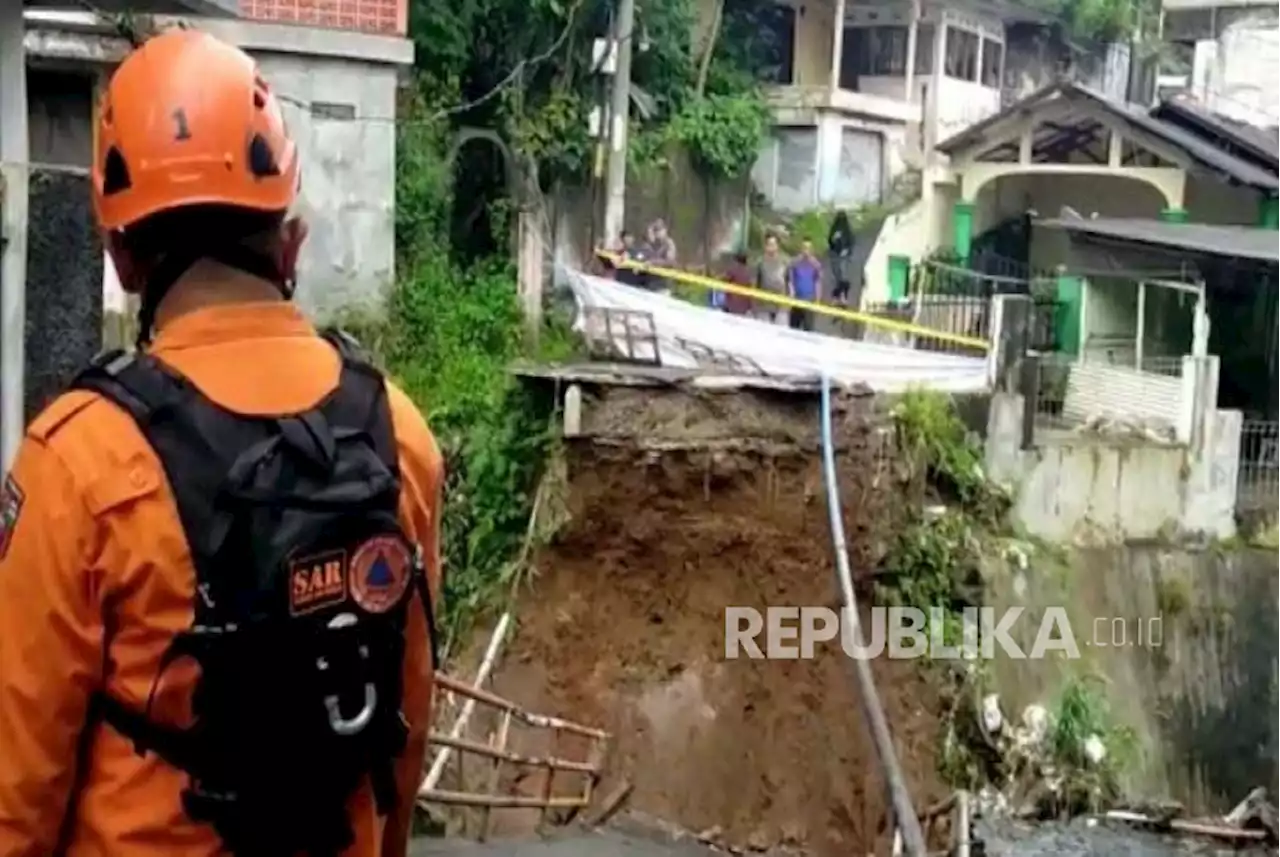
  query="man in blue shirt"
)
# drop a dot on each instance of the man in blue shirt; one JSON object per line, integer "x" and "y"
{"x": 804, "y": 283}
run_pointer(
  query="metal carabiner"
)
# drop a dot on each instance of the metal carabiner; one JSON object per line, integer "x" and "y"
{"x": 356, "y": 724}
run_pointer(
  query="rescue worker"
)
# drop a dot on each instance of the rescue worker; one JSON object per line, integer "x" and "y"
{"x": 195, "y": 181}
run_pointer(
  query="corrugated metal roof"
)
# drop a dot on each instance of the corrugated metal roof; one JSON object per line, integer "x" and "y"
{"x": 1199, "y": 152}
{"x": 1263, "y": 143}
{"x": 1243, "y": 242}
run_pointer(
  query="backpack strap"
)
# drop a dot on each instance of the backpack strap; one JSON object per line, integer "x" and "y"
{"x": 358, "y": 369}
{"x": 197, "y": 442}
{"x": 193, "y": 438}
{"x": 368, "y": 408}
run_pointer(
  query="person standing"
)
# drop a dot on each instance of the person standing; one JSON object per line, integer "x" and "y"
{"x": 739, "y": 274}
{"x": 608, "y": 257}
{"x": 240, "y": 494}
{"x": 771, "y": 276}
{"x": 662, "y": 253}
{"x": 804, "y": 280}
{"x": 840, "y": 244}
{"x": 631, "y": 252}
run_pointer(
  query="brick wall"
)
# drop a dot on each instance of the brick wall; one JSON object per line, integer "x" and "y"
{"x": 389, "y": 17}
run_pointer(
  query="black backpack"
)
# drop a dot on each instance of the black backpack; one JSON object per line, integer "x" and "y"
{"x": 303, "y": 581}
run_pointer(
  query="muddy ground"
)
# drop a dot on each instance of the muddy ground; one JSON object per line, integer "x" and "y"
{"x": 624, "y": 628}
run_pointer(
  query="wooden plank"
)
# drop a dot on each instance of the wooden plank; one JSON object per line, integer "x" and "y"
{"x": 492, "y": 752}
{"x": 537, "y": 720}
{"x": 454, "y": 798}
{"x": 495, "y": 776}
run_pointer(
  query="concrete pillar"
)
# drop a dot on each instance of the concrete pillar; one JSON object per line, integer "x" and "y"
{"x": 1174, "y": 215}
{"x": 962, "y": 224}
{"x": 837, "y": 46}
{"x": 1070, "y": 302}
{"x": 573, "y": 411}
{"x": 529, "y": 272}
{"x": 899, "y": 275}
{"x": 913, "y": 38}
{"x": 1011, "y": 340}
{"x": 14, "y": 156}
{"x": 1269, "y": 212}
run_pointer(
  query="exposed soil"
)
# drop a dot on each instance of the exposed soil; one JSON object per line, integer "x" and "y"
{"x": 625, "y": 630}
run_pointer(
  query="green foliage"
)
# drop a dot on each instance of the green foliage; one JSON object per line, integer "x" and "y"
{"x": 814, "y": 225}
{"x": 552, "y": 133}
{"x": 723, "y": 132}
{"x": 542, "y": 50}
{"x": 1080, "y": 714}
{"x": 450, "y": 333}
{"x": 455, "y": 332}
{"x": 934, "y": 440}
{"x": 935, "y": 559}
{"x": 423, "y": 176}
{"x": 934, "y": 563}
{"x": 1104, "y": 20}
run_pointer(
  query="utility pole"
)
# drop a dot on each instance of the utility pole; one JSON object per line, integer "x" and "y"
{"x": 615, "y": 203}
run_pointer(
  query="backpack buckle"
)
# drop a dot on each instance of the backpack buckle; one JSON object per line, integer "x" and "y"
{"x": 356, "y": 725}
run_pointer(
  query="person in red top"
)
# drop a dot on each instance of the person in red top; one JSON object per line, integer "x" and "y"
{"x": 739, "y": 274}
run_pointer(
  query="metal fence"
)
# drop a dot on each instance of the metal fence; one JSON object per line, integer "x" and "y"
{"x": 946, "y": 298}
{"x": 950, "y": 296}
{"x": 1070, "y": 394}
{"x": 1258, "y": 484}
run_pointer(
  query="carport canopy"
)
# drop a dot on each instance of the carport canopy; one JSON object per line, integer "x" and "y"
{"x": 1239, "y": 242}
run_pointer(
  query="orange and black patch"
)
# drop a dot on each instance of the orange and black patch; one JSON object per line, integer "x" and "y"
{"x": 11, "y": 500}
{"x": 380, "y": 572}
{"x": 316, "y": 581}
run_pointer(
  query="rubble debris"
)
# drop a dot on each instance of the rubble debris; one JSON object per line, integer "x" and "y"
{"x": 610, "y": 805}
{"x": 1150, "y": 430}
{"x": 1253, "y": 820}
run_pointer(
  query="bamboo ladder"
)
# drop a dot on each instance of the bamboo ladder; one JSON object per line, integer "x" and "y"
{"x": 499, "y": 756}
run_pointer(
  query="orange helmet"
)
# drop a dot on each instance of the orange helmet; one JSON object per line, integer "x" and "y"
{"x": 187, "y": 120}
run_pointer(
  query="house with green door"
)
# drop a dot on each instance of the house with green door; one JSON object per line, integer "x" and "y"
{"x": 1068, "y": 146}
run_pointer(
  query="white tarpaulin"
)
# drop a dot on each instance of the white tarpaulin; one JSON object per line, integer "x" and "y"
{"x": 687, "y": 333}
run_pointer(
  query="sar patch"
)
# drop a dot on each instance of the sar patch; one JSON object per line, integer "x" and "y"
{"x": 380, "y": 571}
{"x": 11, "y": 500}
{"x": 317, "y": 581}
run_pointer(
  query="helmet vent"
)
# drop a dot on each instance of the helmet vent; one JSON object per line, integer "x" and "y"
{"x": 115, "y": 173}
{"x": 262, "y": 162}
{"x": 260, "y": 92}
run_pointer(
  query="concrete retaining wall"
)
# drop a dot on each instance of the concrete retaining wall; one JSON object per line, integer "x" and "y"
{"x": 1183, "y": 645}
{"x": 1088, "y": 488}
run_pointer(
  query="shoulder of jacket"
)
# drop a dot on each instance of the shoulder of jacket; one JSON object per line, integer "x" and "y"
{"x": 414, "y": 437}
{"x": 59, "y": 413}
{"x": 99, "y": 443}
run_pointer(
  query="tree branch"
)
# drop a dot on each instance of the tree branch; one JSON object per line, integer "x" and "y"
{"x": 709, "y": 48}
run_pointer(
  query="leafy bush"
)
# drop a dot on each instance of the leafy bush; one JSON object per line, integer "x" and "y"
{"x": 455, "y": 333}
{"x": 448, "y": 337}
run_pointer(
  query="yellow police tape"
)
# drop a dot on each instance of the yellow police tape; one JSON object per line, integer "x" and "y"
{"x": 783, "y": 300}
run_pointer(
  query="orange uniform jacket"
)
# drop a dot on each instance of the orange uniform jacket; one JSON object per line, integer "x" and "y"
{"x": 96, "y": 578}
